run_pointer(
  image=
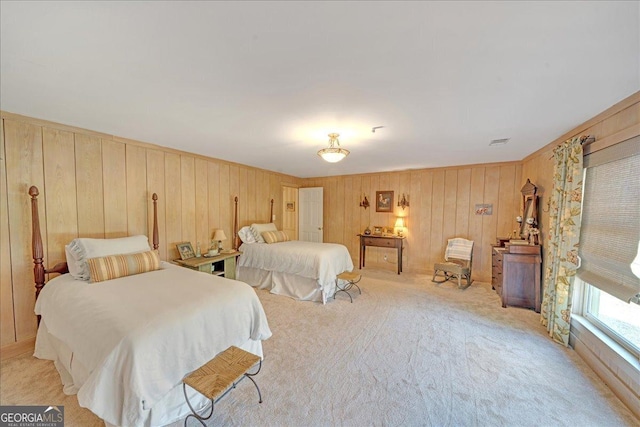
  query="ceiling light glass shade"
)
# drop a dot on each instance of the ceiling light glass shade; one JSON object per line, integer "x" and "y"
{"x": 333, "y": 153}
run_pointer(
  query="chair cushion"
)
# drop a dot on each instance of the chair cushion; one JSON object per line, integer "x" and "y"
{"x": 451, "y": 267}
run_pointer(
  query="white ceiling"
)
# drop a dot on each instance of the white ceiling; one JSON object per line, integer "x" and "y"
{"x": 263, "y": 83}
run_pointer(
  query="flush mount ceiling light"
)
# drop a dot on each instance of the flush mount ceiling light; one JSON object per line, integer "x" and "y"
{"x": 333, "y": 153}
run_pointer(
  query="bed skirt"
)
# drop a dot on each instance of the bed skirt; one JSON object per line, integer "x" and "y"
{"x": 290, "y": 285}
{"x": 169, "y": 409}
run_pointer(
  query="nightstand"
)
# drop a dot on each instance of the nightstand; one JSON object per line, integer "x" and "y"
{"x": 223, "y": 264}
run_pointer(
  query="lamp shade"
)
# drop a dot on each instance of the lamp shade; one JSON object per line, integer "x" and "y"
{"x": 333, "y": 155}
{"x": 400, "y": 224}
{"x": 219, "y": 235}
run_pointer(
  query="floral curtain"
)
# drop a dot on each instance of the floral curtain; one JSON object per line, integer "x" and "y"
{"x": 562, "y": 242}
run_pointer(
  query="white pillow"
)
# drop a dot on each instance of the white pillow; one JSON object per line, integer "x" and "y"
{"x": 257, "y": 230}
{"x": 81, "y": 249}
{"x": 73, "y": 264}
{"x": 246, "y": 235}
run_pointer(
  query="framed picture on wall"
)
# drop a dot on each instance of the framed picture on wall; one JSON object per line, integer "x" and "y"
{"x": 290, "y": 206}
{"x": 384, "y": 201}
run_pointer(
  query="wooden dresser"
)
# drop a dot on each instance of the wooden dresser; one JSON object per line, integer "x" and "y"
{"x": 516, "y": 274}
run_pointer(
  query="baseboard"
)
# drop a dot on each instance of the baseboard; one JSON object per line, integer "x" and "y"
{"x": 618, "y": 370}
{"x": 17, "y": 348}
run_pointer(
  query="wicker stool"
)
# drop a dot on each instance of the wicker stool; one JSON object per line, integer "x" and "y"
{"x": 218, "y": 376}
{"x": 351, "y": 279}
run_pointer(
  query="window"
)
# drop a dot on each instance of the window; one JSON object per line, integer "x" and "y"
{"x": 609, "y": 242}
{"x": 614, "y": 317}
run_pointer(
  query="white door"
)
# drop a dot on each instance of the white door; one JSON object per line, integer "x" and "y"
{"x": 310, "y": 219}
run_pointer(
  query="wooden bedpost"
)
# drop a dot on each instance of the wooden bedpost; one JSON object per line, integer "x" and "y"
{"x": 36, "y": 242}
{"x": 271, "y": 212}
{"x": 235, "y": 223}
{"x": 156, "y": 241}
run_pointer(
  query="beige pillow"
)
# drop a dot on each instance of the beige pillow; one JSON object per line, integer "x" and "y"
{"x": 258, "y": 229}
{"x": 114, "y": 266}
{"x": 275, "y": 236}
{"x": 82, "y": 249}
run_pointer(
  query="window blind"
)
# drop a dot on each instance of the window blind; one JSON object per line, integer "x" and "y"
{"x": 610, "y": 230}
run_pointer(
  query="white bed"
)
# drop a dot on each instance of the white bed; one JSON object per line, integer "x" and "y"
{"x": 304, "y": 271}
{"x": 124, "y": 345}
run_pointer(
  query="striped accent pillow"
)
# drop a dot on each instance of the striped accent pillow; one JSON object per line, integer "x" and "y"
{"x": 275, "y": 236}
{"x": 114, "y": 266}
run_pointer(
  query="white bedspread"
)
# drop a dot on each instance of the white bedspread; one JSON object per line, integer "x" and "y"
{"x": 320, "y": 261}
{"x": 140, "y": 335}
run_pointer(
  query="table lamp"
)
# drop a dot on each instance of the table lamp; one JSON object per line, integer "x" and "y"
{"x": 218, "y": 237}
{"x": 400, "y": 225}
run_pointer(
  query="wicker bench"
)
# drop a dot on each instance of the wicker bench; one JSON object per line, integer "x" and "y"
{"x": 351, "y": 279}
{"x": 218, "y": 376}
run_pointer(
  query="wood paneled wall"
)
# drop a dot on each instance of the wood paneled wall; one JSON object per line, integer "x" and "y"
{"x": 290, "y": 218}
{"x": 616, "y": 124}
{"x": 97, "y": 185}
{"x": 442, "y": 206}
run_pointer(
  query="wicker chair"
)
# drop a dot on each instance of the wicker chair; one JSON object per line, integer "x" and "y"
{"x": 457, "y": 264}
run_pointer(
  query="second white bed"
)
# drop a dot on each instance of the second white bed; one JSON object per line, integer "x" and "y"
{"x": 304, "y": 271}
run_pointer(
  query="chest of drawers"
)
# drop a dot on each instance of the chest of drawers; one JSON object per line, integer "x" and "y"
{"x": 515, "y": 275}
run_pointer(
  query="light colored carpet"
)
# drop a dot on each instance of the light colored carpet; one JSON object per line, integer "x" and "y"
{"x": 407, "y": 352}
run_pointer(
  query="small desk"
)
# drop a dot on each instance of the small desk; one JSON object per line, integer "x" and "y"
{"x": 382, "y": 242}
{"x": 205, "y": 264}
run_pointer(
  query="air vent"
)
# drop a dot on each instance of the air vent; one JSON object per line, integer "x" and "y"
{"x": 497, "y": 142}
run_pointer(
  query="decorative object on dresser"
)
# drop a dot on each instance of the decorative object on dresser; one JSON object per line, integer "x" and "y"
{"x": 529, "y": 217}
{"x": 515, "y": 273}
{"x": 388, "y": 231}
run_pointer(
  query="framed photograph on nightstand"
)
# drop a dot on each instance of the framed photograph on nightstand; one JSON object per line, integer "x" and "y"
{"x": 186, "y": 250}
